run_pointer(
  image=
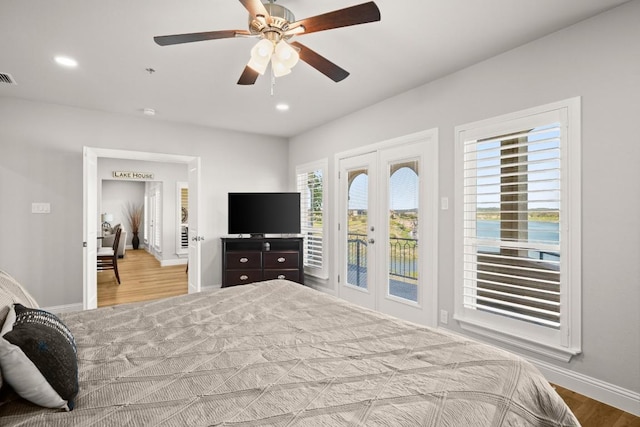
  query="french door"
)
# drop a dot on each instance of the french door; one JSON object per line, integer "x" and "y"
{"x": 387, "y": 229}
{"x": 358, "y": 229}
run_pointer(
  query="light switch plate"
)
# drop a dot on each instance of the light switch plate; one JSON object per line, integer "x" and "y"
{"x": 444, "y": 203}
{"x": 40, "y": 208}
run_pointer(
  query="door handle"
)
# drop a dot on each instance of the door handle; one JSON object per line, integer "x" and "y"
{"x": 372, "y": 241}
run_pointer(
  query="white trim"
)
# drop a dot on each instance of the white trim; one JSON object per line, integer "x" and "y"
{"x": 557, "y": 353}
{"x": 559, "y": 344}
{"x": 602, "y": 391}
{"x": 65, "y": 308}
{"x": 89, "y": 289}
{"x": 425, "y": 136}
{"x": 210, "y": 287}
{"x": 322, "y": 164}
{"x": 320, "y": 285}
{"x": 171, "y": 262}
{"x": 180, "y": 185}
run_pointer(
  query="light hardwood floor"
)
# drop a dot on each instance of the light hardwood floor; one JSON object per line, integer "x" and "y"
{"x": 143, "y": 279}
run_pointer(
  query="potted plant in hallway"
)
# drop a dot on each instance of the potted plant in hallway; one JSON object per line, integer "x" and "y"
{"x": 134, "y": 215}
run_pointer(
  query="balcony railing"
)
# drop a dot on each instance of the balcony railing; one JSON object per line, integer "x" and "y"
{"x": 403, "y": 259}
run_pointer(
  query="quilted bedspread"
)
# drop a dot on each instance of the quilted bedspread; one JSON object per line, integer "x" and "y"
{"x": 280, "y": 354}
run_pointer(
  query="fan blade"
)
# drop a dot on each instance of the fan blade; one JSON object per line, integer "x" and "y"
{"x": 321, "y": 63}
{"x": 354, "y": 15}
{"x": 198, "y": 37}
{"x": 248, "y": 77}
{"x": 255, "y": 8}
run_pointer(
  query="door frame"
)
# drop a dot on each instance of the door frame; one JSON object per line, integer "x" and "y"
{"x": 429, "y": 267}
{"x": 90, "y": 203}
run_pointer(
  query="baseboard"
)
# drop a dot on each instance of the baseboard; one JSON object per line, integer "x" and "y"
{"x": 602, "y": 391}
{"x": 319, "y": 284}
{"x": 171, "y": 262}
{"x": 57, "y": 309}
{"x": 611, "y": 394}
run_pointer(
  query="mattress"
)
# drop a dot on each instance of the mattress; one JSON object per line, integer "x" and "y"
{"x": 277, "y": 353}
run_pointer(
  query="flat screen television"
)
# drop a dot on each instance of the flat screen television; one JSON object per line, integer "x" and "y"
{"x": 258, "y": 214}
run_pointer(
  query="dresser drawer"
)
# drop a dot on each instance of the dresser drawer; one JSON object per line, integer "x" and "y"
{"x": 244, "y": 260}
{"x": 293, "y": 274}
{"x": 240, "y": 277}
{"x": 280, "y": 260}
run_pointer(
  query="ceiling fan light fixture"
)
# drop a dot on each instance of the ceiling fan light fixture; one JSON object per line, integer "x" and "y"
{"x": 258, "y": 66}
{"x": 260, "y": 55}
{"x": 286, "y": 54}
{"x": 275, "y": 25}
{"x": 279, "y": 68}
{"x": 262, "y": 50}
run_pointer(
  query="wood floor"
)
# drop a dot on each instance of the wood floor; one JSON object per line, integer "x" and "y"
{"x": 143, "y": 279}
{"x": 592, "y": 413}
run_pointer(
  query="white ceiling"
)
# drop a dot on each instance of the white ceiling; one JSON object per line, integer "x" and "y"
{"x": 416, "y": 41}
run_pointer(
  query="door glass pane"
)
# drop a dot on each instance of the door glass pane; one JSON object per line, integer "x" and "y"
{"x": 403, "y": 230}
{"x": 357, "y": 214}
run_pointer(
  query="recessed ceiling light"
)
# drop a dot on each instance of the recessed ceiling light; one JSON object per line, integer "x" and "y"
{"x": 282, "y": 107}
{"x": 149, "y": 112}
{"x": 66, "y": 61}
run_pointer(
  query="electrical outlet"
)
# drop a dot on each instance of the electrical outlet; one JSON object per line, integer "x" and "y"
{"x": 444, "y": 316}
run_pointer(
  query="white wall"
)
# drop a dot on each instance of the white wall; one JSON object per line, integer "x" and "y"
{"x": 41, "y": 161}
{"x": 115, "y": 196}
{"x": 596, "y": 59}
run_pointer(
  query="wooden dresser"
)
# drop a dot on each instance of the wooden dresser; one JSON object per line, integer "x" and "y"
{"x": 256, "y": 259}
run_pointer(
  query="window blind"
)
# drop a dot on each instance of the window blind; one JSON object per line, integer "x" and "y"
{"x": 512, "y": 216}
{"x": 310, "y": 186}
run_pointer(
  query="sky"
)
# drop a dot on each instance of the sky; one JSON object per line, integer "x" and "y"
{"x": 403, "y": 194}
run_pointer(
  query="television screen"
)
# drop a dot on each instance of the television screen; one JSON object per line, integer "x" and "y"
{"x": 264, "y": 213}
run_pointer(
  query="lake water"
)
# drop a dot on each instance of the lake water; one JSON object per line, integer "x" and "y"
{"x": 539, "y": 232}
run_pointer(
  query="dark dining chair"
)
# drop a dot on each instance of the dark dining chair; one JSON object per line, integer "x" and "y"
{"x": 108, "y": 257}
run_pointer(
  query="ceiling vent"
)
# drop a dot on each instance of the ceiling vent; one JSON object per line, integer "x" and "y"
{"x": 6, "y": 78}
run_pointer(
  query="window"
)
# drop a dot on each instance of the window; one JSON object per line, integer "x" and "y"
{"x": 182, "y": 218}
{"x": 518, "y": 251}
{"x": 310, "y": 181}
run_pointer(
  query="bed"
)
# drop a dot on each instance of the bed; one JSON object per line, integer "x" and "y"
{"x": 277, "y": 353}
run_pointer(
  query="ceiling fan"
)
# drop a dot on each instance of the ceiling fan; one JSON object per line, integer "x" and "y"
{"x": 275, "y": 25}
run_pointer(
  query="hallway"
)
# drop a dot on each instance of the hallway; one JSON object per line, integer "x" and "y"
{"x": 142, "y": 279}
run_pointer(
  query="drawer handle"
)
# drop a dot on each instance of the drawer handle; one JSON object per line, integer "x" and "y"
{"x": 281, "y": 276}
{"x": 243, "y": 259}
{"x": 244, "y": 277}
{"x": 282, "y": 259}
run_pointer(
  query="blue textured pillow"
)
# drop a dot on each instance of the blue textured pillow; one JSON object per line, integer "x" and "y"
{"x": 38, "y": 357}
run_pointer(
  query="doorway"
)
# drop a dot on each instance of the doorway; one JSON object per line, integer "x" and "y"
{"x": 388, "y": 227}
{"x": 90, "y": 213}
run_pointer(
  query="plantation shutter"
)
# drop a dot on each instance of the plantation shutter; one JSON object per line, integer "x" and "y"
{"x": 310, "y": 186}
{"x": 512, "y": 218}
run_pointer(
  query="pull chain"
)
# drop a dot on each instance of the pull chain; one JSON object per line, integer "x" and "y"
{"x": 273, "y": 82}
